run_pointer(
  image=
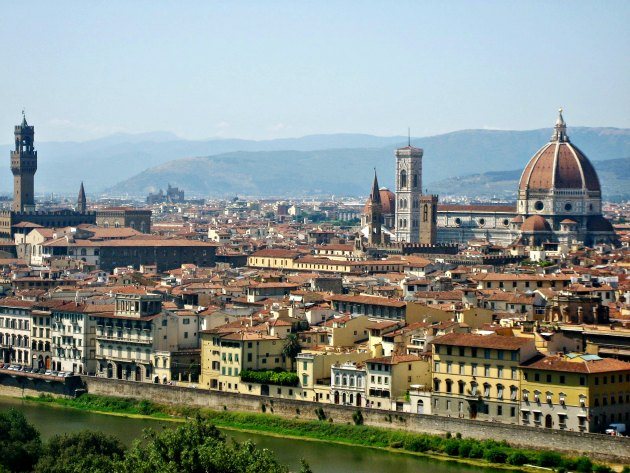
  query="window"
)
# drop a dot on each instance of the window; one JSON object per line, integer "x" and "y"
{"x": 500, "y": 354}
{"x": 513, "y": 369}
{"x": 486, "y": 370}
{"x": 514, "y": 356}
{"x": 436, "y": 366}
{"x": 514, "y": 393}
{"x": 500, "y": 371}
{"x": 499, "y": 391}
{"x": 474, "y": 369}
{"x": 486, "y": 353}
{"x": 474, "y": 353}
{"x": 499, "y": 410}
{"x": 486, "y": 390}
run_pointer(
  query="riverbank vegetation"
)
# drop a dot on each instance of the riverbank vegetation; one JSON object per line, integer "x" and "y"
{"x": 450, "y": 445}
{"x": 194, "y": 447}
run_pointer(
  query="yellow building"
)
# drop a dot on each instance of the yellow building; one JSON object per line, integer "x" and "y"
{"x": 224, "y": 356}
{"x": 578, "y": 392}
{"x": 477, "y": 376}
{"x": 389, "y": 378}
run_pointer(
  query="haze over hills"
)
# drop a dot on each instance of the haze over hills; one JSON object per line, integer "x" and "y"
{"x": 614, "y": 176}
{"x": 340, "y": 164}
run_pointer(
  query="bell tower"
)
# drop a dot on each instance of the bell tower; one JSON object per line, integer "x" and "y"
{"x": 408, "y": 192}
{"x": 375, "y": 215}
{"x": 23, "y": 167}
{"x": 81, "y": 200}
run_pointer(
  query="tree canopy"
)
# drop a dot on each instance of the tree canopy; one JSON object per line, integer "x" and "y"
{"x": 195, "y": 447}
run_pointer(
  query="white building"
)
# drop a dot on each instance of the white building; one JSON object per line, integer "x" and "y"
{"x": 348, "y": 383}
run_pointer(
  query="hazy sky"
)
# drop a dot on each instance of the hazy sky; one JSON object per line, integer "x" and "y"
{"x": 267, "y": 69}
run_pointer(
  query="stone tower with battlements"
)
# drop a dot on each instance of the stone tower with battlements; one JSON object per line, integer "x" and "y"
{"x": 23, "y": 167}
{"x": 428, "y": 219}
{"x": 408, "y": 193}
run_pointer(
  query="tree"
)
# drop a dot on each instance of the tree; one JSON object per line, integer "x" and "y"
{"x": 196, "y": 447}
{"x": 20, "y": 444}
{"x": 80, "y": 452}
{"x": 292, "y": 347}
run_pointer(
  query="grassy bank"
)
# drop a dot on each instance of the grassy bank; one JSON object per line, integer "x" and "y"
{"x": 486, "y": 452}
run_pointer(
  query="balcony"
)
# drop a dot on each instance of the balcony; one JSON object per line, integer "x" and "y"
{"x": 123, "y": 339}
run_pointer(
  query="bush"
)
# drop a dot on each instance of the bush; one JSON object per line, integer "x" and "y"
{"x": 417, "y": 443}
{"x": 357, "y": 417}
{"x": 276, "y": 377}
{"x": 476, "y": 451}
{"x": 517, "y": 458}
{"x": 464, "y": 448}
{"x": 602, "y": 469}
{"x": 319, "y": 412}
{"x": 451, "y": 447}
{"x": 495, "y": 455}
{"x": 582, "y": 464}
{"x": 549, "y": 459}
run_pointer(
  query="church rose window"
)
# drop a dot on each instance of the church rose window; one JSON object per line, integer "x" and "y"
{"x": 539, "y": 205}
{"x": 568, "y": 207}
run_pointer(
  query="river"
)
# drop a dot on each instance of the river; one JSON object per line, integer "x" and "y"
{"x": 321, "y": 456}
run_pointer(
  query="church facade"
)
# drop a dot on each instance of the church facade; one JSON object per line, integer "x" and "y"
{"x": 559, "y": 200}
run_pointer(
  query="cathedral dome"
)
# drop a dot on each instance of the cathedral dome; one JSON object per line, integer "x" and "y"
{"x": 559, "y": 165}
{"x": 597, "y": 223}
{"x": 535, "y": 223}
{"x": 388, "y": 202}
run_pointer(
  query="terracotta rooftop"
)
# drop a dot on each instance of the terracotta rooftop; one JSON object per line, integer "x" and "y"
{"x": 498, "y": 342}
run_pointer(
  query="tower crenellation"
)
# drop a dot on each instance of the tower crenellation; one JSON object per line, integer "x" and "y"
{"x": 23, "y": 167}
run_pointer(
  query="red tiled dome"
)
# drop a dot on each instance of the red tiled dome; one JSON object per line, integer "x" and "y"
{"x": 559, "y": 165}
{"x": 535, "y": 223}
{"x": 388, "y": 201}
{"x": 597, "y": 223}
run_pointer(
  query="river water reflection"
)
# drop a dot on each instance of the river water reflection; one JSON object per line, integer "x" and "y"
{"x": 322, "y": 457}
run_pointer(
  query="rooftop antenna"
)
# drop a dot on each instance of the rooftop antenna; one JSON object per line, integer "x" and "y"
{"x": 409, "y": 136}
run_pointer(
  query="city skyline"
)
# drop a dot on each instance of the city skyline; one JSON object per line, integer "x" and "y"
{"x": 253, "y": 71}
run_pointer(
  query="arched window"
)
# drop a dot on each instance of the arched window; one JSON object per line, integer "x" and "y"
{"x": 449, "y": 386}
{"x": 403, "y": 178}
{"x": 425, "y": 213}
{"x": 436, "y": 385}
{"x": 415, "y": 180}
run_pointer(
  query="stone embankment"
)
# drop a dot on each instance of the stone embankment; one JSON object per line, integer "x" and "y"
{"x": 600, "y": 447}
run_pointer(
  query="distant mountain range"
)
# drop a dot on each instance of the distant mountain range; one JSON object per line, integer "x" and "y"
{"x": 340, "y": 164}
{"x": 614, "y": 176}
